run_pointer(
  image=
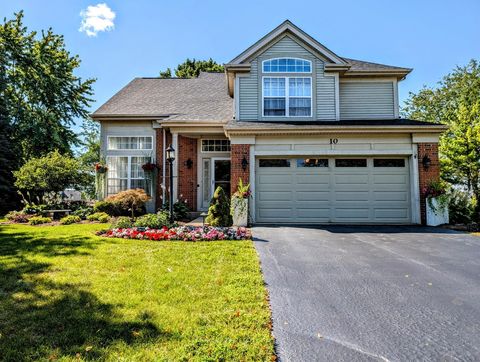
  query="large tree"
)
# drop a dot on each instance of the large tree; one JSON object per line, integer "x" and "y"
{"x": 191, "y": 68}
{"x": 41, "y": 97}
{"x": 455, "y": 102}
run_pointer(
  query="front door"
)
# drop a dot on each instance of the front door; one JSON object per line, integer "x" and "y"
{"x": 221, "y": 175}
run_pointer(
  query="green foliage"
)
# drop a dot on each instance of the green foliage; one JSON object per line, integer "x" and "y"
{"x": 191, "y": 68}
{"x": 122, "y": 222}
{"x": 83, "y": 212}
{"x": 31, "y": 209}
{"x": 51, "y": 173}
{"x": 37, "y": 220}
{"x": 129, "y": 202}
{"x": 461, "y": 207}
{"x": 43, "y": 95}
{"x": 243, "y": 190}
{"x": 456, "y": 103}
{"x": 90, "y": 155}
{"x": 17, "y": 217}
{"x": 99, "y": 216}
{"x": 219, "y": 210}
{"x": 108, "y": 207}
{"x": 70, "y": 219}
{"x": 153, "y": 221}
{"x": 180, "y": 209}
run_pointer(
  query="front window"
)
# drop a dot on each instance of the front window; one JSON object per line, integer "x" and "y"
{"x": 126, "y": 172}
{"x": 287, "y": 65}
{"x": 287, "y": 96}
{"x": 129, "y": 143}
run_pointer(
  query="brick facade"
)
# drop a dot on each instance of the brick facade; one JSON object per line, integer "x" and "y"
{"x": 427, "y": 175}
{"x": 187, "y": 177}
{"x": 238, "y": 152}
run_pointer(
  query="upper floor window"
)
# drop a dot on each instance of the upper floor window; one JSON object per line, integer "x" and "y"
{"x": 129, "y": 143}
{"x": 287, "y": 97}
{"x": 287, "y": 65}
{"x": 215, "y": 145}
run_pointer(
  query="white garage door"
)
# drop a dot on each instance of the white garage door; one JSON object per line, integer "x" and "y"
{"x": 337, "y": 190}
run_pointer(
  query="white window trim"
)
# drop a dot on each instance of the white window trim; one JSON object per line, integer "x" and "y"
{"x": 128, "y": 149}
{"x": 287, "y": 97}
{"x": 129, "y": 172}
{"x": 214, "y": 139}
{"x": 305, "y": 60}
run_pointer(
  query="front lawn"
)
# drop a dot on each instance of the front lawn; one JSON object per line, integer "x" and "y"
{"x": 68, "y": 294}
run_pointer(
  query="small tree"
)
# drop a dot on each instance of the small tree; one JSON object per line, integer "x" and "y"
{"x": 131, "y": 200}
{"x": 219, "y": 210}
{"x": 51, "y": 173}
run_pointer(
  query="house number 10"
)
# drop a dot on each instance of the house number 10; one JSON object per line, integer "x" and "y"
{"x": 333, "y": 141}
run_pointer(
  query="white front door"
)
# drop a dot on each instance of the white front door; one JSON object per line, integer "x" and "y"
{"x": 215, "y": 172}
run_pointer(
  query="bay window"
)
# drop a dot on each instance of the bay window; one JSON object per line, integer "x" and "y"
{"x": 126, "y": 172}
{"x": 287, "y": 96}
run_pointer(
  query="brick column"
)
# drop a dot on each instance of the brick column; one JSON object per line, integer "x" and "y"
{"x": 160, "y": 147}
{"x": 425, "y": 176}
{"x": 237, "y": 154}
{"x": 187, "y": 177}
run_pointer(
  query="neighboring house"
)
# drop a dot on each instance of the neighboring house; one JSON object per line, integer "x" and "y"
{"x": 317, "y": 135}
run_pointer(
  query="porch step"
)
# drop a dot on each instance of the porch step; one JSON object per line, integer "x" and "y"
{"x": 196, "y": 222}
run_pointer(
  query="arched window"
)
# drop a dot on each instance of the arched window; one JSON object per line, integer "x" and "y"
{"x": 287, "y": 65}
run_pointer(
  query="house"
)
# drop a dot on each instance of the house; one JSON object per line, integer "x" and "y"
{"x": 317, "y": 135}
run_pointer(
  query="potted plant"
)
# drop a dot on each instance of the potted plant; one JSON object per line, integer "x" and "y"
{"x": 100, "y": 168}
{"x": 437, "y": 203}
{"x": 149, "y": 167}
{"x": 239, "y": 204}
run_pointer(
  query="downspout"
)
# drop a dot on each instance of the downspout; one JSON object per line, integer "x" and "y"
{"x": 164, "y": 164}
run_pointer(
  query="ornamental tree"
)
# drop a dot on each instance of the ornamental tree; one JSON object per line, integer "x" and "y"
{"x": 219, "y": 210}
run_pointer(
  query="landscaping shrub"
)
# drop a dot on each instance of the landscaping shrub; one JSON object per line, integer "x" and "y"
{"x": 461, "y": 207}
{"x": 17, "y": 217}
{"x": 130, "y": 202}
{"x": 37, "y": 220}
{"x": 31, "y": 209}
{"x": 99, "y": 216}
{"x": 219, "y": 210}
{"x": 83, "y": 212}
{"x": 107, "y": 207}
{"x": 180, "y": 209}
{"x": 153, "y": 221}
{"x": 70, "y": 219}
{"x": 123, "y": 222}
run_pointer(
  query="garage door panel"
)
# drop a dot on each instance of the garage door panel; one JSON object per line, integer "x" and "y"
{"x": 333, "y": 194}
{"x": 390, "y": 196}
{"x": 314, "y": 196}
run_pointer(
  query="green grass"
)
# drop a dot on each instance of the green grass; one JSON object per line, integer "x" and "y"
{"x": 66, "y": 294}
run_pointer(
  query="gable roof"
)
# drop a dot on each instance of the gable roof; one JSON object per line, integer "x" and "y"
{"x": 370, "y": 67}
{"x": 289, "y": 27}
{"x": 196, "y": 99}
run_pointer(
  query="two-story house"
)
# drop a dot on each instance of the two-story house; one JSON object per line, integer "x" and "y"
{"x": 318, "y": 136}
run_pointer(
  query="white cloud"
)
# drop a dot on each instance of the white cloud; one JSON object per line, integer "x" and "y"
{"x": 97, "y": 18}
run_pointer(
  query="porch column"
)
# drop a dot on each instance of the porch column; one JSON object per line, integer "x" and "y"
{"x": 175, "y": 166}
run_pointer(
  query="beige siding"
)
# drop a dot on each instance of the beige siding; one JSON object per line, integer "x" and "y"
{"x": 367, "y": 100}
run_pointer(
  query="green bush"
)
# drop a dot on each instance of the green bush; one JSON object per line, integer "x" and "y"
{"x": 31, "y": 209}
{"x": 83, "y": 212}
{"x": 70, "y": 219}
{"x": 107, "y": 207}
{"x": 37, "y": 220}
{"x": 122, "y": 222}
{"x": 153, "y": 221}
{"x": 180, "y": 209}
{"x": 461, "y": 207}
{"x": 219, "y": 210}
{"x": 99, "y": 216}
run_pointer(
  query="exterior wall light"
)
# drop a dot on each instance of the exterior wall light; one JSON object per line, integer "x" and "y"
{"x": 189, "y": 163}
{"x": 244, "y": 163}
{"x": 426, "y": 162}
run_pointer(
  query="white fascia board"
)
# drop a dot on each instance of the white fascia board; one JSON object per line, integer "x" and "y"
{"x": 425, "y": 137}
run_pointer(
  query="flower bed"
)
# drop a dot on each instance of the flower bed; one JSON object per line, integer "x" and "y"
{"x": 185, "y": 233}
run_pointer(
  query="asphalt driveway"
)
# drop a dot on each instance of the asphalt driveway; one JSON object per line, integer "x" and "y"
{"x": 372, "y": 293}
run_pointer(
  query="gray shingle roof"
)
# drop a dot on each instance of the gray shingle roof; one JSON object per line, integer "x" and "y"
{"x": 198, "y": 99}
{"x": 360, "y": 65}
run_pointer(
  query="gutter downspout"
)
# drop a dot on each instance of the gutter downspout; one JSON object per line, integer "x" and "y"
{"x": 164, "y": 164}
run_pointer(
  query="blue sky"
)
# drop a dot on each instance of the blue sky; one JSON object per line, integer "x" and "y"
{"x": 430, "y": 36}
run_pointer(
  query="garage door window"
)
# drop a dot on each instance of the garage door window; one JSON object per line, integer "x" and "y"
{"x": 274, "y": 163}
{"x": 350, "y": 162}
{"x": 312, "y": 162}
{"x": 388, "y": 162}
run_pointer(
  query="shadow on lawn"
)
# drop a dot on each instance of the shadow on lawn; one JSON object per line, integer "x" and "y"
{"x": 41, "y": 319}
